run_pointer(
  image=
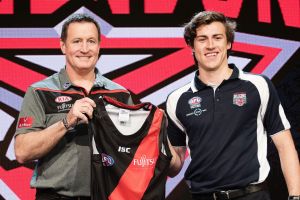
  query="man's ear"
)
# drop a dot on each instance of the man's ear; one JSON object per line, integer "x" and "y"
{"x": 229, "y": 45}
{"x": 63, "y": 47}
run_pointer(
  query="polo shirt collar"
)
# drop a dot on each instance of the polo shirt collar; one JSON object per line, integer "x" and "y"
{"x": 66, "y": 82}
{"x": 197, "y": 84}
{"x": 64, "y": 79}
{"x": 100, "y": 81}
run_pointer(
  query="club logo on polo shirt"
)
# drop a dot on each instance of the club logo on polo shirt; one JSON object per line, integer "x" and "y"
{"x": 195, "y": 105}
{"x": 239, "y": 98}
{"x": 66, "y": 85}
{"x": 195, "y": 102}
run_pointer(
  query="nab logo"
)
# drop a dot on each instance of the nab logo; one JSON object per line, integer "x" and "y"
{"x": 25, "y": 122}
{"x": 124, "y": 149}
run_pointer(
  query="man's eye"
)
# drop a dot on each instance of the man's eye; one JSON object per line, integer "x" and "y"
{"x": 201, "y": 39}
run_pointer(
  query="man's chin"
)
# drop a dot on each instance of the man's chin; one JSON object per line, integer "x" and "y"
{"x": 85, "y": 66}
{"x": 210, "y": 67}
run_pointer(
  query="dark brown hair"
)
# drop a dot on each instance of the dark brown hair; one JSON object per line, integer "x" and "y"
{"x": 78, "y": 18}
{"x": 205, "y": 18}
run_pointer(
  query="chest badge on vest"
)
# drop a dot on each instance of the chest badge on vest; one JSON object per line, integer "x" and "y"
{"x": 239, "y": 98}
{"x": 107, "y": 160}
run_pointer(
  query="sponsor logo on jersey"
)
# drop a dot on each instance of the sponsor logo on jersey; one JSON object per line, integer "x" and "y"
{"x": 199, "y": 111}
{"x": 107, "y": 160}
{"x": 239, "y": 98}
{"x": 25, "y": 122}
{"x": 62, "y": 99}
{"x": 196, "y": 112}
{"x": 64, "y": 107}
{"x": 143, "y": 162}
{"x": 195, "y": 102}
{"x": 124, "y": 149}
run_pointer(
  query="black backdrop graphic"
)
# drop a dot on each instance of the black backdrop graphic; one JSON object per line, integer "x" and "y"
{"x": 27, "y": 36}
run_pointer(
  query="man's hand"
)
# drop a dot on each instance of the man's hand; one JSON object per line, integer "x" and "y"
{"x": 81, "y": 111}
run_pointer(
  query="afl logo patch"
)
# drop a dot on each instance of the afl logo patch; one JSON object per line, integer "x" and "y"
{"x": 107, "y": 160}
{"x": 195, "y": 102}
{"x": 62, "y": 99}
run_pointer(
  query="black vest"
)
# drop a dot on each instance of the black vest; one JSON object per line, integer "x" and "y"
{"x": 129, "y": 166}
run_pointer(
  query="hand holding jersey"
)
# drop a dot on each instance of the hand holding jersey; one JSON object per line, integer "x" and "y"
{"x": 81, "y": 112}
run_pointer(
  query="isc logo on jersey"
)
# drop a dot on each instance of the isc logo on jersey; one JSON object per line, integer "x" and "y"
{"x": 124, "y": 149}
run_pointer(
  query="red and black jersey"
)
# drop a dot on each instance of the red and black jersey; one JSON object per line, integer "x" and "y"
{"x": 129, "y": 166}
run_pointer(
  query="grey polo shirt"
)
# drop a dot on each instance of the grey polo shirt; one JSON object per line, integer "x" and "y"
{"x": 66, "y": 168}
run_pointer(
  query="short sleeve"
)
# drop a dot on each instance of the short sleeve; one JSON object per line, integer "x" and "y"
{"x": 32, "y": 114}
{"x": 176, "y": 133}
{"x": 275, "y": 119}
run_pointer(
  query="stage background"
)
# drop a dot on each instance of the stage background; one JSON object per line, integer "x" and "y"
{"x": 143, "y": 50}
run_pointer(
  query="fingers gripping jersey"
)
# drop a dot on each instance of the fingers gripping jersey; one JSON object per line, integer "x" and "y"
{"x": 129, "y": 166}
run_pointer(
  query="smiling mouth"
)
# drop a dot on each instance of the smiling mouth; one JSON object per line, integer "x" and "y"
{"x": 211, "y": 54}
{"x": 84, "y": 57}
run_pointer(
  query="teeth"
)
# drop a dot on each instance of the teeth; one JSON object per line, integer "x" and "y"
{"x": 211, "y": 54}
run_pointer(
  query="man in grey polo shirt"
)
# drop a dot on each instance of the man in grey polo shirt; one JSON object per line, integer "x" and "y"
{"x": 52, "y": 125}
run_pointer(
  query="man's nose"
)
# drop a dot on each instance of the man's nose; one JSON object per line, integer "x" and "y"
{"x": 84, "y": 47}
{"x": 210, "y": 43}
